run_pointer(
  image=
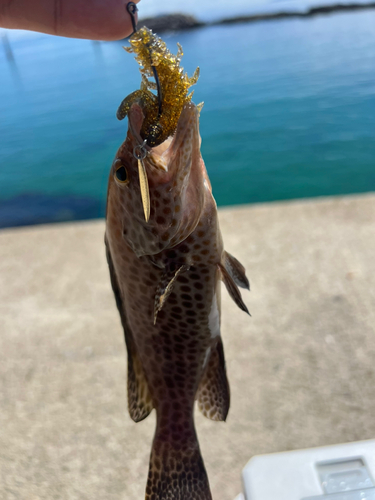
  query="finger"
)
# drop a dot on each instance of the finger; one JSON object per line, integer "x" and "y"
{"x": 92, "y": 19}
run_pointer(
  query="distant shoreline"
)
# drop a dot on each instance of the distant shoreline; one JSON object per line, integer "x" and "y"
{"x": 312, "y": 12}
{"x": 179, "y": 22}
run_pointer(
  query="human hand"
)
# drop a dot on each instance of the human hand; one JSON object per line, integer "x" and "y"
{"x": 92, "y": 19}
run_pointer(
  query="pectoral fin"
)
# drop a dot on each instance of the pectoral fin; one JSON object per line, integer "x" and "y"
{"x": 213, "y": 393}
{"x": 139, "y": 397}
{"x": 236, "y": 270}
{"x": 232, "y": 288}
{"x": 165, "y": 287}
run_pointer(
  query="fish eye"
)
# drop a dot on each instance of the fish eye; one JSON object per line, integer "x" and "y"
{"x": 121, "y": 175}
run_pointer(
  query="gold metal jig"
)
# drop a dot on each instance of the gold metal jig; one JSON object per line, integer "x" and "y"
{"x": 140, "y": 154}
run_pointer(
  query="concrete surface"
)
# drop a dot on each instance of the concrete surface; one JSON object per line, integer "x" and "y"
{"x": 302, "y": 369}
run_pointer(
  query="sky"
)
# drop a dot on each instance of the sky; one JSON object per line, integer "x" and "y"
{"x": 210, "y": 10}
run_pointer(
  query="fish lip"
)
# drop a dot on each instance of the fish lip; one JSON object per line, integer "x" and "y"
{"x": 187, "y": 121}
{"x": 159, "y": 157}
{"x": 135, "y": 120}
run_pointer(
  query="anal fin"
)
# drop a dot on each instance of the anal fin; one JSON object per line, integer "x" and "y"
{"x": 213, "y": 393}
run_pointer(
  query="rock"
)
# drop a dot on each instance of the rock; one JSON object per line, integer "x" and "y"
{"x": 170, "y": 22}
{"x": 313, "y": 11}
{"x": 328, "y": 9}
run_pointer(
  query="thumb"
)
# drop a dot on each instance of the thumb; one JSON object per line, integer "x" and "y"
{"x": 92, "y": 19}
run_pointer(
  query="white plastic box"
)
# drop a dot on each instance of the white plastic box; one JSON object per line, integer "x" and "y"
{"x": 341, "y": 472}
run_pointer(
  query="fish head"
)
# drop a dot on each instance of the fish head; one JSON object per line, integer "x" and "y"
{"x": 177, "y": 183}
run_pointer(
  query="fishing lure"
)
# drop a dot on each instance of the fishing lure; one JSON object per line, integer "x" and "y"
{"x": 162, "y": 111}
{"x": 166, "y": 259}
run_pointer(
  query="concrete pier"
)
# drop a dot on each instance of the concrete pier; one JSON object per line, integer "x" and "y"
{"x": 301, "y": 369}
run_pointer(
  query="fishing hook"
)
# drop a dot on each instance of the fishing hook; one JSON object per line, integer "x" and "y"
{"x": 132, "y": 9}
{"x": 158, "y": 88}
{"x": 140, "y": 152}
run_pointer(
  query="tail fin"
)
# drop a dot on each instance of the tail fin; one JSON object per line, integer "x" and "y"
{"x": 177, "y": 470}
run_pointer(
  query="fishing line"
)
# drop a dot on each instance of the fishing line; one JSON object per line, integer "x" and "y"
{"x": 133, "y": 9}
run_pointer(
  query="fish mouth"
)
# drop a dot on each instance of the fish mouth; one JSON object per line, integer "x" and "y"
{"x": 169, "y": 164}
{"x": 186, "y": 136}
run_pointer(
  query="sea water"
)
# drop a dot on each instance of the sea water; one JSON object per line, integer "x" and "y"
{"x": 289, "y": 113}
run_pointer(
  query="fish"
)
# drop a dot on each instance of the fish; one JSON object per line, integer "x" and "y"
{"x": 166, "y": 271}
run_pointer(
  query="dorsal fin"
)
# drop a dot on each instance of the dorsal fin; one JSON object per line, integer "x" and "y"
{"x": 213, "y": 393}
{"x": 139, "y": 397}
{"x": 232, "y": 288}
{"x": 236, "y": 270}
{"x": 165, "y": 286}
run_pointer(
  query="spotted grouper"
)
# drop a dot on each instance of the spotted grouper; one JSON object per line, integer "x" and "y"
{"x": 165, "y": 271}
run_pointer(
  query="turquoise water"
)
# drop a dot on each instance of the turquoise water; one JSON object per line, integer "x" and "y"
{"x": 289, "y": 113}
